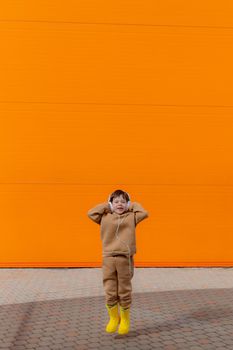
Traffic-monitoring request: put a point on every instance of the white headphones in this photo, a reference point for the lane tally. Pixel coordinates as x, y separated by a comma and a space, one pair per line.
110, 203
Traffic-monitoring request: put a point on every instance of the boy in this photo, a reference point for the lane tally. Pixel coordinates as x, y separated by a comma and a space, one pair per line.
117, 219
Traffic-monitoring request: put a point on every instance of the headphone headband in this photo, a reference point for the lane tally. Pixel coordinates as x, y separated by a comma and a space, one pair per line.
112, 193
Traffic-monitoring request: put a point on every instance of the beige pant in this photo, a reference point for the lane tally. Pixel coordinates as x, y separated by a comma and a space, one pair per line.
117, 279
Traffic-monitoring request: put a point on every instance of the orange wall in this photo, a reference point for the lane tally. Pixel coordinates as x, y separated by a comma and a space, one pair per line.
96, 96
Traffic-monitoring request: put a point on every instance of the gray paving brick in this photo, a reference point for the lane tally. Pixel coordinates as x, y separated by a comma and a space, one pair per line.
172, 309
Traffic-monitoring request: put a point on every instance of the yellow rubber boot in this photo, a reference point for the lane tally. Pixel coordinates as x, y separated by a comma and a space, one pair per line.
114, 318
125, 321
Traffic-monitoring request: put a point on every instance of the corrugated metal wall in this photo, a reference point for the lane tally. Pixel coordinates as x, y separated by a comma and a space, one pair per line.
97, 96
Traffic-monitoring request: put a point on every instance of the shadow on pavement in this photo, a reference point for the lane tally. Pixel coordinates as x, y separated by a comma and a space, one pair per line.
168, 320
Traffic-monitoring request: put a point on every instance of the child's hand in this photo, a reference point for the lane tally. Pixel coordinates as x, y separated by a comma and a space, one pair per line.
131, 207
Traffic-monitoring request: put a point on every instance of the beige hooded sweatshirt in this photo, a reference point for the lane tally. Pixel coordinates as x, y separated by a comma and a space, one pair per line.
118, 230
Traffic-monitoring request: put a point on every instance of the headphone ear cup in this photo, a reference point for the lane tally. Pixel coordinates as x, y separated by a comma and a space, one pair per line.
129, 199
110, 204
128, 204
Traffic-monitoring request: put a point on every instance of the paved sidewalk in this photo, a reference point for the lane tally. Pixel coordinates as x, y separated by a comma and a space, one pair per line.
64, 309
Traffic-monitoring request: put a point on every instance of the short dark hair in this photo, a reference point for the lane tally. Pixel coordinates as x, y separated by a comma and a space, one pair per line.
118, 193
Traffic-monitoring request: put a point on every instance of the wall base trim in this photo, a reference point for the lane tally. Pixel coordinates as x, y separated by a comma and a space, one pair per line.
56, 264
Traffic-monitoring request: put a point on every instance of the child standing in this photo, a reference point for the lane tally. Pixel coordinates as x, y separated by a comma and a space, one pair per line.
117, 219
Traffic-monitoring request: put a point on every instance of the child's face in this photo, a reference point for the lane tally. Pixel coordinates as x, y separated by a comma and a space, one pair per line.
119, 205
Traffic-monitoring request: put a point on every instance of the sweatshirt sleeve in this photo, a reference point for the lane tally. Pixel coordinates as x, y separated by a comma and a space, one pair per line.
97, 212
139, 212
